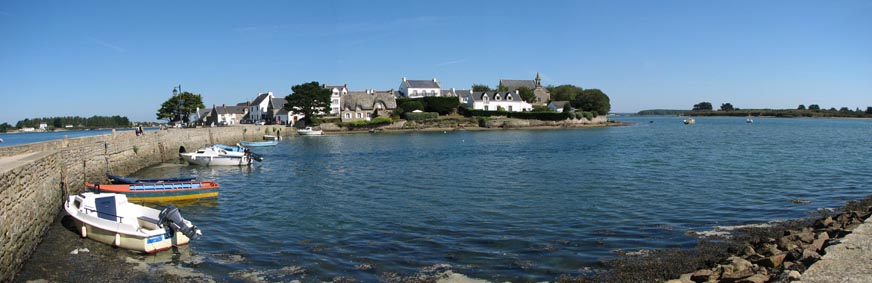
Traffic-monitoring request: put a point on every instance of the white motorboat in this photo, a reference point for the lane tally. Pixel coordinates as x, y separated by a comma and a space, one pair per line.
218, 155
309, 131
271, 138
108, 218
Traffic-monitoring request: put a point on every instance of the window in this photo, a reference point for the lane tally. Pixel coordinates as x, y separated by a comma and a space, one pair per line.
497, 97
509, 98
359, 115
347, 115
336, 101
485, 98
510, 107
485, 108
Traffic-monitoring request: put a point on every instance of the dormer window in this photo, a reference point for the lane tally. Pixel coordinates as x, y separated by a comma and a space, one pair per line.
485, 98
498, 97
509, 97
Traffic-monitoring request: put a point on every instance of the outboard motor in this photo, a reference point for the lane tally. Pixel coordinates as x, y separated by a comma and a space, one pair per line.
256, 157
172, 221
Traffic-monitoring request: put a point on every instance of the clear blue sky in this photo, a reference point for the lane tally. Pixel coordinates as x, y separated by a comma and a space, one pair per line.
83, 58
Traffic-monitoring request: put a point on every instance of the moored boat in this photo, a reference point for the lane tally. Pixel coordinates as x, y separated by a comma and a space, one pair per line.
159, 192
271, 137
130, 180
309, 131
689, 121
110, 219
219, 155
259, 143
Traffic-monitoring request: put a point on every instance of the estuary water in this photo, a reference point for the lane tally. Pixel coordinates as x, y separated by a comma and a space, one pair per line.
518, 205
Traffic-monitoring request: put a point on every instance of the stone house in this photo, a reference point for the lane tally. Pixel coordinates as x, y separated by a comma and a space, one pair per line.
420, 88
492, 101
365, 105
543, 96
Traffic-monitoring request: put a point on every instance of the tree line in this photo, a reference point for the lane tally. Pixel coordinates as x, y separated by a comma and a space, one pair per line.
92, 122
813, 110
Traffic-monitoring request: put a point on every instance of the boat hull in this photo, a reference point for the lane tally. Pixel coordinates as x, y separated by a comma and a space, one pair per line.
128, 228
257, 144
161, 192
216, 160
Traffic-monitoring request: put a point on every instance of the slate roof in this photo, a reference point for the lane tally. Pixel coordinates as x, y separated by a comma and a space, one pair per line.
339, 87
260, 98
559, 104
367, 101
278, 103
513, 85
243, 103
231, 109
422, 84
204, 112
456, 92
478, 95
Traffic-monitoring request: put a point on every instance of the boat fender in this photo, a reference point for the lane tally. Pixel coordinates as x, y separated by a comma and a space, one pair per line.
117, 240
84, 231
172, 220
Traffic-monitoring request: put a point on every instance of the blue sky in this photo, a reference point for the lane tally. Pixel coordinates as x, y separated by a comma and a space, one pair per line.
83, 58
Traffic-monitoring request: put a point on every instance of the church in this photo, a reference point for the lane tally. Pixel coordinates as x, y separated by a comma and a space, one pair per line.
542, 94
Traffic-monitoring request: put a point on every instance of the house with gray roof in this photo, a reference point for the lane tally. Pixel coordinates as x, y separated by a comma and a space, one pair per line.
257, 107
336, 98
455, 92
495, 101
420, 88
542, 94
365, 105
557, 106
227, 115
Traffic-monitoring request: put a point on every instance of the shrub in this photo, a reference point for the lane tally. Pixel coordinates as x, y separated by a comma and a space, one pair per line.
587, 115
544, 116
377, 121
441, 105
418, 116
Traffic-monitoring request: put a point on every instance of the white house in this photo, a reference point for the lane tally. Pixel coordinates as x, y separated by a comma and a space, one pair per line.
492, 101
420, 88
43, 126
228, 115
337, 91
257, 108
557, 106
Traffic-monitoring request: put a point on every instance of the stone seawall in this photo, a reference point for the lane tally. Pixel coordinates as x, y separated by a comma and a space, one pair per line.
33, 186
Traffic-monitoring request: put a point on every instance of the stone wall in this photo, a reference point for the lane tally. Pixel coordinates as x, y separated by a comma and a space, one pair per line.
33, 190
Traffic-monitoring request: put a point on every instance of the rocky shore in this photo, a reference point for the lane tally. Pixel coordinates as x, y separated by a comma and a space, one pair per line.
786, 257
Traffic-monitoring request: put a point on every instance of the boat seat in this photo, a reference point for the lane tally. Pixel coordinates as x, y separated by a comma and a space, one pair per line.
148, 222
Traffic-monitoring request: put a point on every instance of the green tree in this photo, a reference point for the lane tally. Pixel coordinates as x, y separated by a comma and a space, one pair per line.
567, 108
181, 105
801, 107
527, 94
405, 105
565, 93
727, 107
441, 105
5, 126
869, 110
814, 107
309, 99
541, 108
593, 100
702, 106
844, 110
481, 88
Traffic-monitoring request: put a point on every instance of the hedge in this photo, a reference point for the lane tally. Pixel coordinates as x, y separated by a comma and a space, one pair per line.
417, 116
545, 116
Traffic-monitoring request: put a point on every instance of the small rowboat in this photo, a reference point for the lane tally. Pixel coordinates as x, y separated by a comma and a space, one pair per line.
129, 180
110, 219
160, 192
259, 143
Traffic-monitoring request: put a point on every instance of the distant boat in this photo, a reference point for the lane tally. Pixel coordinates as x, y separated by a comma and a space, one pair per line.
159, 192
129, 180
271, 138
110, 219
689, 121
749, 120
259, 143
309, 131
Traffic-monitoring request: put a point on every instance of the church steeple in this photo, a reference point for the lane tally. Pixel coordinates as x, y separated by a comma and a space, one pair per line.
538, 80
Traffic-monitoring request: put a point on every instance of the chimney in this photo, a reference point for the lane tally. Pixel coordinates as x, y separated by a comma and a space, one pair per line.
404, 78
434, 80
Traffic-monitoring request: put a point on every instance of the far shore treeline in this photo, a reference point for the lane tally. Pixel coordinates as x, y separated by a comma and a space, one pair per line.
727, 109
76, 122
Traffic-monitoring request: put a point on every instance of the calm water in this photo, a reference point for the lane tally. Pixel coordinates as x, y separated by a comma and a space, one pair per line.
22, 138
515, 205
